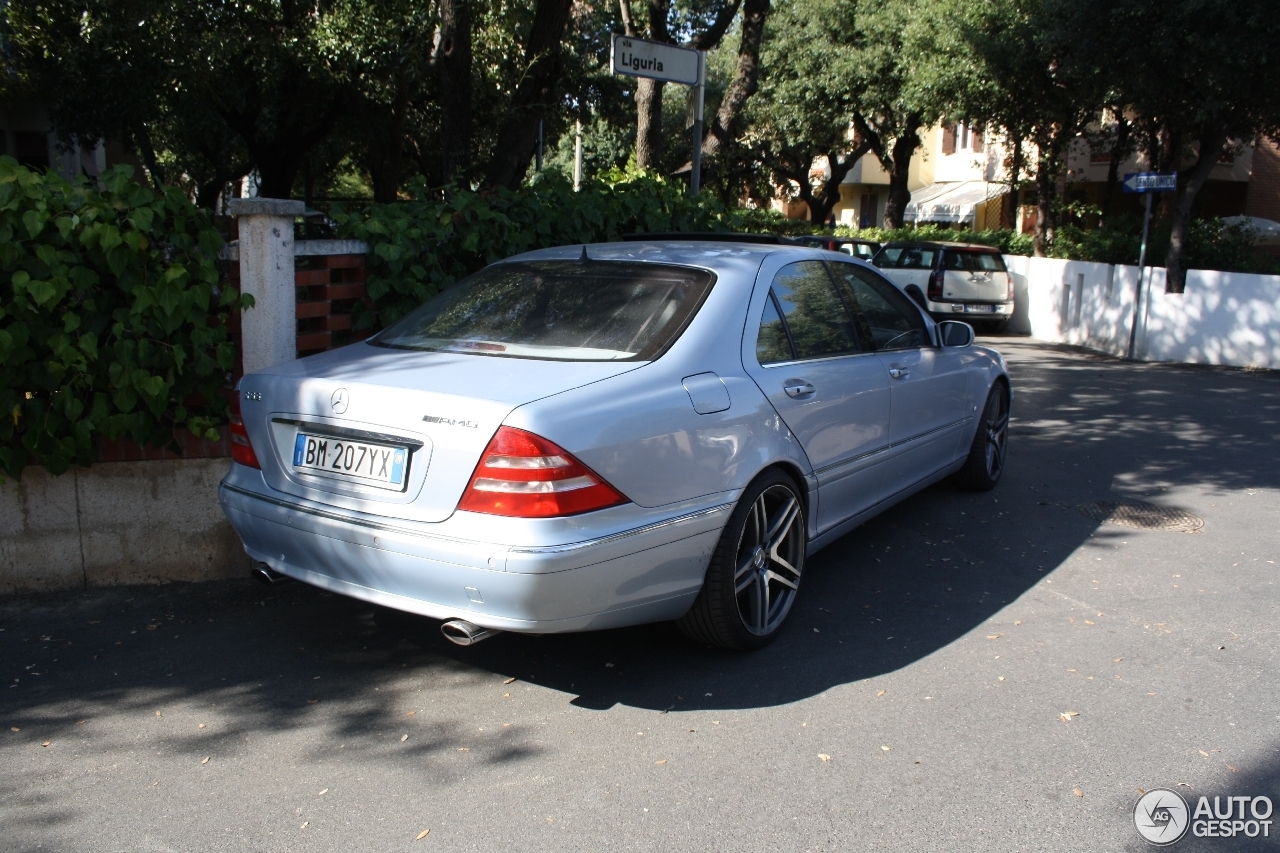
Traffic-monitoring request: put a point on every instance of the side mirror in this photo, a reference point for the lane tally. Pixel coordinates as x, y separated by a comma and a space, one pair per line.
953, 333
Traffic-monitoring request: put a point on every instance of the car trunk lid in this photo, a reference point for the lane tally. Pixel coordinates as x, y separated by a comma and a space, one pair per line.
439, 409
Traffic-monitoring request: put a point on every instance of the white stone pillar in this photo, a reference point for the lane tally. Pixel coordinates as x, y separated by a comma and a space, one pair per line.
270, 328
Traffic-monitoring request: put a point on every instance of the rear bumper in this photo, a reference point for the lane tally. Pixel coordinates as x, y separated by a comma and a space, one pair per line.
647, 574
966, 310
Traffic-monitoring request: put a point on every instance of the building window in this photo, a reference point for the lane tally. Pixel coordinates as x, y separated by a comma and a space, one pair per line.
867, 210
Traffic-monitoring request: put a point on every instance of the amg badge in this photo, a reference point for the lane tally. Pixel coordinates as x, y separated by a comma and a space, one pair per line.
433, 419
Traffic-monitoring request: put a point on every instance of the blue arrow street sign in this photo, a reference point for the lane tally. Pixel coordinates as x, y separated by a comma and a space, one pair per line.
1151, 182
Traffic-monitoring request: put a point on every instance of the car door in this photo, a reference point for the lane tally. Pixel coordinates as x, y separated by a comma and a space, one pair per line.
927, 383
832, 393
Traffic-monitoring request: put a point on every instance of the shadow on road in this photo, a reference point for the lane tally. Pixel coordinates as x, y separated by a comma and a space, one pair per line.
906, 584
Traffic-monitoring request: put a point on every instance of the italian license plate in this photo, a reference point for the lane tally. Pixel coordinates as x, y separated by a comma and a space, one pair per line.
979, 309
380, 465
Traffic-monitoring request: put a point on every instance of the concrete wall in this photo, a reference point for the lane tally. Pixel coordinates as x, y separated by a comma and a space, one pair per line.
116, 523
1222, 318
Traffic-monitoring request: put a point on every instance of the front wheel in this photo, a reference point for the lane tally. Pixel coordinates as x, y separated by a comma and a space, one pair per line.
754, 573
985, 464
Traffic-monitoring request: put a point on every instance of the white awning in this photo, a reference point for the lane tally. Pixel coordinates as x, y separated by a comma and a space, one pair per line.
950, 201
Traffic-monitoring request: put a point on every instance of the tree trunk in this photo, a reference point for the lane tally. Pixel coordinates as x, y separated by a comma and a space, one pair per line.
148, 153
453, 63
648, 96
1189, 185
1119, 151
1015, 179
1044, 206
899, 168
745, 83
518, 134
648, 123
827, 197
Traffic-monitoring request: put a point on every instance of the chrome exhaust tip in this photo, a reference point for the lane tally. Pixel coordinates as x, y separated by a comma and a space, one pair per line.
463, 633
267, 575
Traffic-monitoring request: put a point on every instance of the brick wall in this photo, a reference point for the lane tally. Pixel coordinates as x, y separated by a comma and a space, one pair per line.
329, 288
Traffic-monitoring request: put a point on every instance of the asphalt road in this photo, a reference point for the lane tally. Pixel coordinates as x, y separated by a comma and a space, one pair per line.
915, 702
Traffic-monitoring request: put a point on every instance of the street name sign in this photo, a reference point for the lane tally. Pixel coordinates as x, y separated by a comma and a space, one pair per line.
642, 58
1151, 182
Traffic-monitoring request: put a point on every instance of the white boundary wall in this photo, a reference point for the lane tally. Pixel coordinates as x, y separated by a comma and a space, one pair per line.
1222, 318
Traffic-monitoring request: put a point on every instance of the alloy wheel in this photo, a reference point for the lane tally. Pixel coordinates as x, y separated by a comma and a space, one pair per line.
770, 557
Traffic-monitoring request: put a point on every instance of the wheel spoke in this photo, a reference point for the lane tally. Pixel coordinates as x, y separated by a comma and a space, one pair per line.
761, 602
780, 579
782, 524
742, 576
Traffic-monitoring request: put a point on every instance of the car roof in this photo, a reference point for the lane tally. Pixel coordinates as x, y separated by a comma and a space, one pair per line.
712, 254
940, 244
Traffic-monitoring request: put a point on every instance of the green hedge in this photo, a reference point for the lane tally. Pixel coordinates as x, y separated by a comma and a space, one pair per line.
422, 246
112, 321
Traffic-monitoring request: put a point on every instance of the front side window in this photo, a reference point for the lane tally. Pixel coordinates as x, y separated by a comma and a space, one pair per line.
884, 313
561, 310
811, 311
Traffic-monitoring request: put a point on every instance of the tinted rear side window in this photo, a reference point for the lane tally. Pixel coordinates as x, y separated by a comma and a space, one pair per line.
814, 312
907, 258
562, 310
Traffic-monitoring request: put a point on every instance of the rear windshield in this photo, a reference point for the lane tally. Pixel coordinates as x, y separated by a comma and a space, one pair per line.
562, 310
905, 258
972, 261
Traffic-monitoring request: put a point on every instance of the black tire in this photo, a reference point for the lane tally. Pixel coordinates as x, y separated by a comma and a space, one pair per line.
748, 573
986, 460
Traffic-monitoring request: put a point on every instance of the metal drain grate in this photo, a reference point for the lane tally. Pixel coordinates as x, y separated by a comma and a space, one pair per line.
1142, 515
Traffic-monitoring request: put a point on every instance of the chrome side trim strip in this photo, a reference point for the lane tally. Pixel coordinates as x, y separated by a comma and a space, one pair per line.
560, 549
834, 465
920, 435
548, 549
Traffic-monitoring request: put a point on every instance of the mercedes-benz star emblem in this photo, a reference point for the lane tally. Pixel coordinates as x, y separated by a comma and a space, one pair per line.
339, 401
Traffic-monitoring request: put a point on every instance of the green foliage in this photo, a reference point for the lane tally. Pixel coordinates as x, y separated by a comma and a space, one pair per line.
111, 318
1008, 241
420, 247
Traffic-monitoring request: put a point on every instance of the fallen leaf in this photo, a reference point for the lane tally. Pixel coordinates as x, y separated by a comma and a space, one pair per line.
881, 693
1002, 678
506, 695
1067, 715
1087, 622
422, 835
509, 680
411, 713
1142, 790
1117, 660
1018, 622
305, 824
82, 722
157, 713
464, 749
1077, 792
1232, 769
14, 729
46, 743
1183, 785
994, 636
822, 756
661, 761
1071, 619
403, 738
201, 726
508, 725
323, 791
885, 748
206, 760
552, 820
312, 701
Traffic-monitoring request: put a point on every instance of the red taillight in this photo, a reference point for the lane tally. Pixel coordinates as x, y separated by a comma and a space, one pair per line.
241, 449
1009, 288
935, 286
526, 476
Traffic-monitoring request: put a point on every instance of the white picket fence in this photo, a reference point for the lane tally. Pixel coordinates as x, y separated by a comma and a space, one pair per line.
1222, 318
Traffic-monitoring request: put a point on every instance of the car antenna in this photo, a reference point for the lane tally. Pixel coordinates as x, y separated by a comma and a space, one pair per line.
582, 259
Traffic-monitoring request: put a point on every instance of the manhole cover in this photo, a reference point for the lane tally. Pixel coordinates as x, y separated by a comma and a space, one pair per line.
1142, 515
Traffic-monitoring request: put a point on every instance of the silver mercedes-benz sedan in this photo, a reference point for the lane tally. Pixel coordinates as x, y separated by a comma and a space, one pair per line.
591, 437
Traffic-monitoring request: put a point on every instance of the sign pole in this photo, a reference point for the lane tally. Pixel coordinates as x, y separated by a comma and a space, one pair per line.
695, 178
1142, 274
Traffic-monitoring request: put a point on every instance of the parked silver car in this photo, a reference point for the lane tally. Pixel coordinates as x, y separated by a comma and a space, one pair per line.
591, 437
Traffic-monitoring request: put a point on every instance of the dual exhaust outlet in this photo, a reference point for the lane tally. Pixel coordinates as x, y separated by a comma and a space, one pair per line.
460, 632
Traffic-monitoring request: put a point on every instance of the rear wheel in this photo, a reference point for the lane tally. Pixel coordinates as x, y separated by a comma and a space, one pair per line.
985, 464
754, 573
